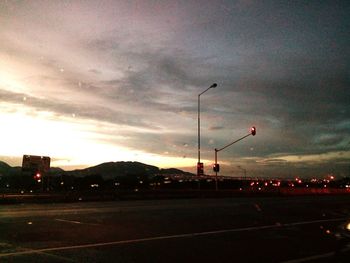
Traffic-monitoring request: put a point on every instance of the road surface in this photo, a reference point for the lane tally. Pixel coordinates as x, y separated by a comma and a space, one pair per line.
255, 229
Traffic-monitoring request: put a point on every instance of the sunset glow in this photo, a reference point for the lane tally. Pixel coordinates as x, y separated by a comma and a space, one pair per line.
91, 82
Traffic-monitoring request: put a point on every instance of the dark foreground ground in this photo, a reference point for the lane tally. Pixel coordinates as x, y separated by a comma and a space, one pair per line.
241, 229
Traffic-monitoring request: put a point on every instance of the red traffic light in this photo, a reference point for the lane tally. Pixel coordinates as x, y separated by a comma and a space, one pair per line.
37, 177
253, 130
200, 169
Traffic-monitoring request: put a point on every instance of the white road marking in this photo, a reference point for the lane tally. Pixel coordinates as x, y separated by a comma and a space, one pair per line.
31, 251
315, 221
315, 257
75, 222
61, 258
131, 241
68, 221
326, 255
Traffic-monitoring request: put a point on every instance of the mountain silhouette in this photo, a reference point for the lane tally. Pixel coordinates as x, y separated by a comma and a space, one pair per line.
4, 168
116, 169
106, 170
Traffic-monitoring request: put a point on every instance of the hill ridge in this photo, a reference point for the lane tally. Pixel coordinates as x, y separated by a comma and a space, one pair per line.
107, 170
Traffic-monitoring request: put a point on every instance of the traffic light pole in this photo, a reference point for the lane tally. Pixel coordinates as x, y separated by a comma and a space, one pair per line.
252, 132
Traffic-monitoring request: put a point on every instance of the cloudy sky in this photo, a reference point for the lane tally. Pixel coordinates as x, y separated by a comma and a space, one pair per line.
87, 82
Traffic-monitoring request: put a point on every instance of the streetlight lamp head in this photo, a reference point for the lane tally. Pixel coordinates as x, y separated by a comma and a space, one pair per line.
214, 85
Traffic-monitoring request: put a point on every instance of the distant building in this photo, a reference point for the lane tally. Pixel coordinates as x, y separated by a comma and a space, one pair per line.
36, 164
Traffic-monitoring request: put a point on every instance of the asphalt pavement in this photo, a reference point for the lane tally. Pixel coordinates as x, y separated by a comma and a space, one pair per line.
254, 229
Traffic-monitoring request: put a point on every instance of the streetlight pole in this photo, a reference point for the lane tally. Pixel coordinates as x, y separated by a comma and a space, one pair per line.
199, 164
252, 132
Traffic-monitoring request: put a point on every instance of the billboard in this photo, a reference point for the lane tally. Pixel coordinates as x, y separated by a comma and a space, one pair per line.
34, 163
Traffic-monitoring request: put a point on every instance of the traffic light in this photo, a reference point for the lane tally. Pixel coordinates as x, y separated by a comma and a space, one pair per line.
253, 130
37, 177
216, 167
200, 169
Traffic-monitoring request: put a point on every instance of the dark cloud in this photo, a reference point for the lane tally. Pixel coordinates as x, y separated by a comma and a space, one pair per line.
273, 162
213, 128
283, 67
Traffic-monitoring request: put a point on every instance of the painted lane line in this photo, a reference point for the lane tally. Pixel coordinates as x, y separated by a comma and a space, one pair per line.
31, 251
315, 257
61, 258
315, 221
132, 241
68, 221
75, 222
299, 260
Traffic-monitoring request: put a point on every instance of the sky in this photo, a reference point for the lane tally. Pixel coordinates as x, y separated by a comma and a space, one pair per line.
87, 82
